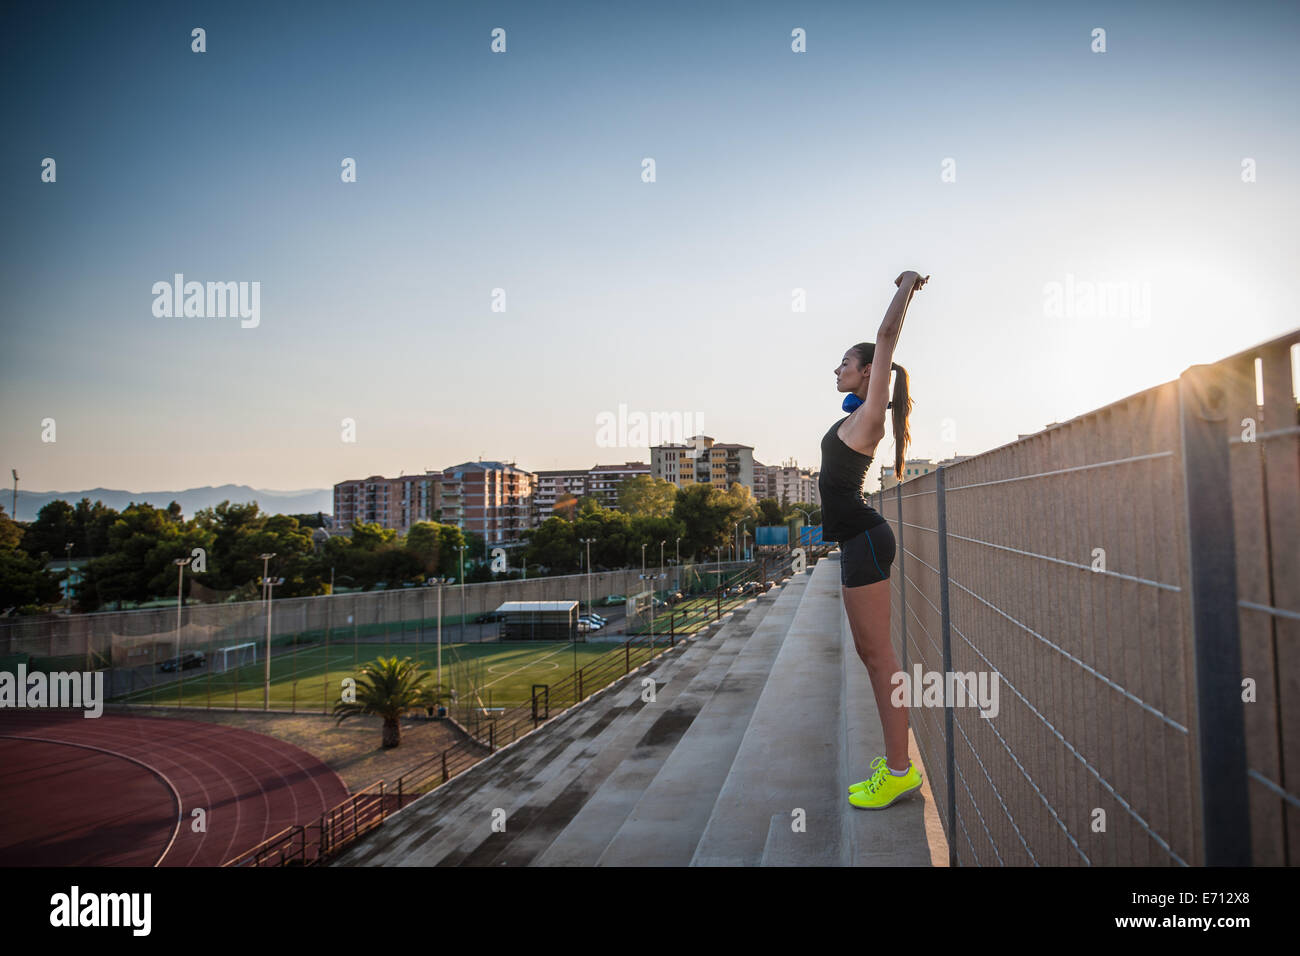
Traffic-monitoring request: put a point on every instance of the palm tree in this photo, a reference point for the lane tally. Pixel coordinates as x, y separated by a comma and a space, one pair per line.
389, 688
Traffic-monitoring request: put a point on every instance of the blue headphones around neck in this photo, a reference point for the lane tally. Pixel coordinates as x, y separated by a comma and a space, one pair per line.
851, 402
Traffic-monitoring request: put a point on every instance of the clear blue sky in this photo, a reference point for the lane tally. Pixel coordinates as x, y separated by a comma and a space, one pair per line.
522, 171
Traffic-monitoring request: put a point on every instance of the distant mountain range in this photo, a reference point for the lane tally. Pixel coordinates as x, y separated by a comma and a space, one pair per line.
306, 501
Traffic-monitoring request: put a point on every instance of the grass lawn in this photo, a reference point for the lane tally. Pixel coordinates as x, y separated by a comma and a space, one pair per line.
501, 674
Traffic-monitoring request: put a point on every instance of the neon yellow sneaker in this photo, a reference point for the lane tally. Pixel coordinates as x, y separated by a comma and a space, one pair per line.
862, 784
884, 788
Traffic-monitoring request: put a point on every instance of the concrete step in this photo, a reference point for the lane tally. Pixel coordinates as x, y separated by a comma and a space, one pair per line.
540, 806
665, 826
628, 768
791, 755
414, 831
543, 821
445, 826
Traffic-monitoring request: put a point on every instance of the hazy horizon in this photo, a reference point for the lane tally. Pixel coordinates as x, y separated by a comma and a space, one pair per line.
477, 171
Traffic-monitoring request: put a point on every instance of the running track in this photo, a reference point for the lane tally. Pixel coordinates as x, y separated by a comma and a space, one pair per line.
105, 791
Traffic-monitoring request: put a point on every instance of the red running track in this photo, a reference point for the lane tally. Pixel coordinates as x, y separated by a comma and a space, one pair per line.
120, 789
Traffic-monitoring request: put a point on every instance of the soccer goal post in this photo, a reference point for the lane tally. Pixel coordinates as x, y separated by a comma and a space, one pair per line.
237, 655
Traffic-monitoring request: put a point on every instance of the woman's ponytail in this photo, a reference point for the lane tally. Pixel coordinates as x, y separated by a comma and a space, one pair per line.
902, 409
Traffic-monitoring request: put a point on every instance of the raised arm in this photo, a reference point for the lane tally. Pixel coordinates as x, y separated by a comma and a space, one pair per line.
866, 426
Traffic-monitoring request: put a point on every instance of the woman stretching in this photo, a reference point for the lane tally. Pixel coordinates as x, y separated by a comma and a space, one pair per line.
866, 541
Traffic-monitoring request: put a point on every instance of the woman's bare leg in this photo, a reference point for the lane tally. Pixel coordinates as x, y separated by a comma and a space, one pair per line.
868, 610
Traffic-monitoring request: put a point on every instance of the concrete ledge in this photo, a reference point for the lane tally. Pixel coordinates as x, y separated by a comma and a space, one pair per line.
790, 756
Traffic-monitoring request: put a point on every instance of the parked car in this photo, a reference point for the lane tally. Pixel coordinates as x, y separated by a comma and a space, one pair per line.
615, 599
599, 619
769, 585
583, 627
752, 587
590, 622
184, 662
491, 617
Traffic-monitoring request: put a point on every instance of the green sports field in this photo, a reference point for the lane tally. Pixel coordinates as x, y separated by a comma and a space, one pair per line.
308, 680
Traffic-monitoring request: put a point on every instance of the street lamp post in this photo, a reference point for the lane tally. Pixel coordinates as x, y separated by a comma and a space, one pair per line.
588, 542
266, 664
461, 548
807, 515
67, 567
180, 601
265, 559
678, 546
651, 578
440, 581
266, 681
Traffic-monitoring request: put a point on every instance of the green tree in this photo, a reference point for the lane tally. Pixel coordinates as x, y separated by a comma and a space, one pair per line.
554, 544
396, 566
650, 531
770, 512
613, 532
709, 516
388, 688
449, 562
424, 541
93, 522
646, 497
25, 585
236, 535
142, 543
54, 527
435, 545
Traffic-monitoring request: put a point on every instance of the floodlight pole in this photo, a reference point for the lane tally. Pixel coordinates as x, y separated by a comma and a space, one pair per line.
266, 679
591, 608
440, 581
678, 585
180, 575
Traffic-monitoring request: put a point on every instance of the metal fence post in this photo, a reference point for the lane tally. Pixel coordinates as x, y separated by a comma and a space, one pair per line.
949, 756
1212, 566
902, 570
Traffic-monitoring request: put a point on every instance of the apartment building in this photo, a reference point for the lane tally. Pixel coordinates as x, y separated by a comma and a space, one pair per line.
912, 467
490, 498
787, 483
701, 460
603, 480
394, 503
553, 485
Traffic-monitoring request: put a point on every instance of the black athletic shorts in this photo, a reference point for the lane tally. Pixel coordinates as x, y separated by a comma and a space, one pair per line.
865, 558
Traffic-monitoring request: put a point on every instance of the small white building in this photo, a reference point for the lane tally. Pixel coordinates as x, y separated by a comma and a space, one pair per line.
538, 620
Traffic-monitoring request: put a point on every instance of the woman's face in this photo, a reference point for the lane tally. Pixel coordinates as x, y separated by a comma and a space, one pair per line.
848, 377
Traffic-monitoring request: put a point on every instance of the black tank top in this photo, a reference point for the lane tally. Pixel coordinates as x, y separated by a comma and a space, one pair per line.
845, 512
